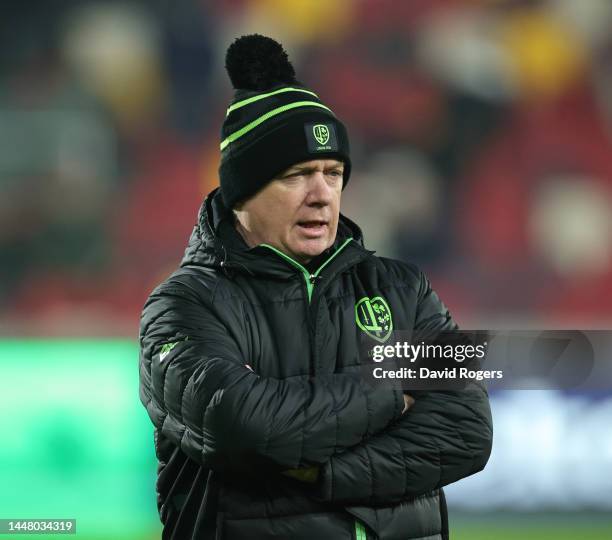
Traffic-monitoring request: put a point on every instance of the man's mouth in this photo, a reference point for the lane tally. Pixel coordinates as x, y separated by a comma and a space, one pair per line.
313, 228
312, 224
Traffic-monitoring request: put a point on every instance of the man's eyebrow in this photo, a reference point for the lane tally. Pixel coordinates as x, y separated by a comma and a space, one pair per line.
307, 169
296, 169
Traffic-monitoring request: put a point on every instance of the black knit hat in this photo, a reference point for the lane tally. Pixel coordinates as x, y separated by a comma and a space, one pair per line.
273, 122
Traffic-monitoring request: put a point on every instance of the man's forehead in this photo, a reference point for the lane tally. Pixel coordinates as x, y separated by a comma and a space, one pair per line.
317, 163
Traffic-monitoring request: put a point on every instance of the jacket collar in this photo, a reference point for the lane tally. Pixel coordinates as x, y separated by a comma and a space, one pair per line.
215, 243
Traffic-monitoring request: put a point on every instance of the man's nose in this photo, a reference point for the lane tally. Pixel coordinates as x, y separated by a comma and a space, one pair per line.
319, 191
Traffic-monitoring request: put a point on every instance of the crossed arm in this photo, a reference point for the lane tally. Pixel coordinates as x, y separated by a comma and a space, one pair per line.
202, 397
445, 436
221, 414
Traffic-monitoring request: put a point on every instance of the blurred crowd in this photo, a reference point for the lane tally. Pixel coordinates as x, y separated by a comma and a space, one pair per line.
481, 135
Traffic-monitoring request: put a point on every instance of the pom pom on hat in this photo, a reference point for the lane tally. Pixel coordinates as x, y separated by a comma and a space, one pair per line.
257, 62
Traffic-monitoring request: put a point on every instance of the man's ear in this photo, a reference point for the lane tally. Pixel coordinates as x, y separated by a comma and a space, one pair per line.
235, 213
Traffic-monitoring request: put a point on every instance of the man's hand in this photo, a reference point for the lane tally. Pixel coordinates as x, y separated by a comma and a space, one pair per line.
408, 402
308, 475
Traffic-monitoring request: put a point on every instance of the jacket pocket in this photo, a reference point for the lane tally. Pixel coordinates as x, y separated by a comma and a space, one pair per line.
421, 517
363, 516
360, 531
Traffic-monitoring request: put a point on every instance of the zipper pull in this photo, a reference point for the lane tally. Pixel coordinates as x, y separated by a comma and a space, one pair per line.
312, 278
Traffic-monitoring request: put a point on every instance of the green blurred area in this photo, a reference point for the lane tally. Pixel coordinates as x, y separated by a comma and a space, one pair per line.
513, 525
77, 443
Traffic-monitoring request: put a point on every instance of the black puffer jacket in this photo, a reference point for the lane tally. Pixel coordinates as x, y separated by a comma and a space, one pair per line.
224, 434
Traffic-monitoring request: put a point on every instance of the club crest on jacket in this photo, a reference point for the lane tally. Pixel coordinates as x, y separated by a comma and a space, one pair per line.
373, 316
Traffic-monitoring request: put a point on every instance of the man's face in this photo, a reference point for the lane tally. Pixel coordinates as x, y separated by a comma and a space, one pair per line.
297, 212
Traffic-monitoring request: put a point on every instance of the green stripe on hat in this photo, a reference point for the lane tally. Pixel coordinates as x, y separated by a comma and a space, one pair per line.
244, 102
274, 112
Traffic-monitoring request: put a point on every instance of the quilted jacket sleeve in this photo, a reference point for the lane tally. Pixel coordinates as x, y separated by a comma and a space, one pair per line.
198, 393
444, 437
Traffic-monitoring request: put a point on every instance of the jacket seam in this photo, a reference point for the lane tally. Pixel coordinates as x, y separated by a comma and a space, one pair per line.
332, 482
190, 381
182, 396
465, 444
403, 454
213, 293
267, 433
372, 475
152, 321
368, 416
303, 441
336, 434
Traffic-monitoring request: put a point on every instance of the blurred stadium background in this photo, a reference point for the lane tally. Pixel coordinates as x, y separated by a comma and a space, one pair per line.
481, 133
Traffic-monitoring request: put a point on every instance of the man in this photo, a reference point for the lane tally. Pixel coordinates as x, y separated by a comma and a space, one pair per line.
250, 368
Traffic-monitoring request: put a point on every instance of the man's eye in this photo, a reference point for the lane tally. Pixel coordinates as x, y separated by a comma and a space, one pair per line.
291, 178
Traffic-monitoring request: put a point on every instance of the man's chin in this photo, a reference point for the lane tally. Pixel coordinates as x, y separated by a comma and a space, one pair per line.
309, 249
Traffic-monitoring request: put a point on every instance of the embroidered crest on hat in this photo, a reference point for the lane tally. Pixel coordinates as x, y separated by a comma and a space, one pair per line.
321, 137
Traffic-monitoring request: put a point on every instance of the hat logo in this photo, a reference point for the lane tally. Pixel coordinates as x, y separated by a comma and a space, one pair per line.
321, 133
